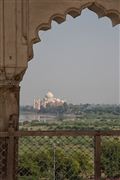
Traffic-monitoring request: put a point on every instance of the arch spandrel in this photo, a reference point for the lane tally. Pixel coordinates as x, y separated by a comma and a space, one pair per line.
42, 12
20, 21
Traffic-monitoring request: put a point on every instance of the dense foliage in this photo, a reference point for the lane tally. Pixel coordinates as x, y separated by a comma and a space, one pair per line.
76, 109
77, 117
110, 159
69, 160
73, 165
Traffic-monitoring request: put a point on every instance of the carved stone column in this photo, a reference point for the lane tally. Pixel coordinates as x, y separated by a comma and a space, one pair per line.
9, 105
9, 118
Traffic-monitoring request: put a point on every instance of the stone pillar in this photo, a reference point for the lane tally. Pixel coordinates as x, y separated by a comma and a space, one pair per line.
9, 105
9, 117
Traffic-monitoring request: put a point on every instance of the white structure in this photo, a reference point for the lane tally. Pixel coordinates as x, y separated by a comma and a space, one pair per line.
37, 104
49, 99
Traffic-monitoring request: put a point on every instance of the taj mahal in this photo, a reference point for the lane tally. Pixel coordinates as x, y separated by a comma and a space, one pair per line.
49, 99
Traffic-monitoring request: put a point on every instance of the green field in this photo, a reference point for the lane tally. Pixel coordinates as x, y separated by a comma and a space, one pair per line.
86, 122
70, 158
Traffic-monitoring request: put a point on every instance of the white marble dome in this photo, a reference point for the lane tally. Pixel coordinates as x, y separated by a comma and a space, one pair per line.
49, 95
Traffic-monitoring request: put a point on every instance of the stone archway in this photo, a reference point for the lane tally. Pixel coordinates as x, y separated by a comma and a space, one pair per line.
20, 21
58, 11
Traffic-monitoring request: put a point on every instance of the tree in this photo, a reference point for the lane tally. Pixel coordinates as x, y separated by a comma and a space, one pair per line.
110, 159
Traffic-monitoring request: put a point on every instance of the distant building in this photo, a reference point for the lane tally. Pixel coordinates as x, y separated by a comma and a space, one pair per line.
49, 99
37, 104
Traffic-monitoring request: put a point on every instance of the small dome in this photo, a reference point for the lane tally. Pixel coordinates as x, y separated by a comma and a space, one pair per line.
49, 95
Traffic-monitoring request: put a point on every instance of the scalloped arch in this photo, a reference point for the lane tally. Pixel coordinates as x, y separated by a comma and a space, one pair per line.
100, 10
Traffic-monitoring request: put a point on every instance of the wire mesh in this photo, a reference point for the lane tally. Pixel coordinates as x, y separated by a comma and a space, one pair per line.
3, 160
110, 158
56, 158
61, 156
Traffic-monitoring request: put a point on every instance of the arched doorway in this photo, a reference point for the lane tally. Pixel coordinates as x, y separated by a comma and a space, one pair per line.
86, 75
26, 18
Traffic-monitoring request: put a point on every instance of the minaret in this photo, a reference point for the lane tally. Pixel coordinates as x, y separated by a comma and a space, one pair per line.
37, 104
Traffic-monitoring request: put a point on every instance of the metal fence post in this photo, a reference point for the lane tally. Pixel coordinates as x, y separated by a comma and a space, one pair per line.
97, 157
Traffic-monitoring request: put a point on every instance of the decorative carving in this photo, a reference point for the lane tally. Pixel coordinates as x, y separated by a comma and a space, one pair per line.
9, 83
13, 121
113, 14
96, 7
9, 106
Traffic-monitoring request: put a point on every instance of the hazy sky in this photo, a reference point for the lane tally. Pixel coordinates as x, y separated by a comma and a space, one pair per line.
78, 61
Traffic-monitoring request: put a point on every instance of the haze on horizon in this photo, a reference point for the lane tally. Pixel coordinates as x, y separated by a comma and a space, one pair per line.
77, 61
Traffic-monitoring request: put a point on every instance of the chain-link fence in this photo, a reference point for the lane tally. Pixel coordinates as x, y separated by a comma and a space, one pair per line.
110, 158
60, 155
3, 158
56, 158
